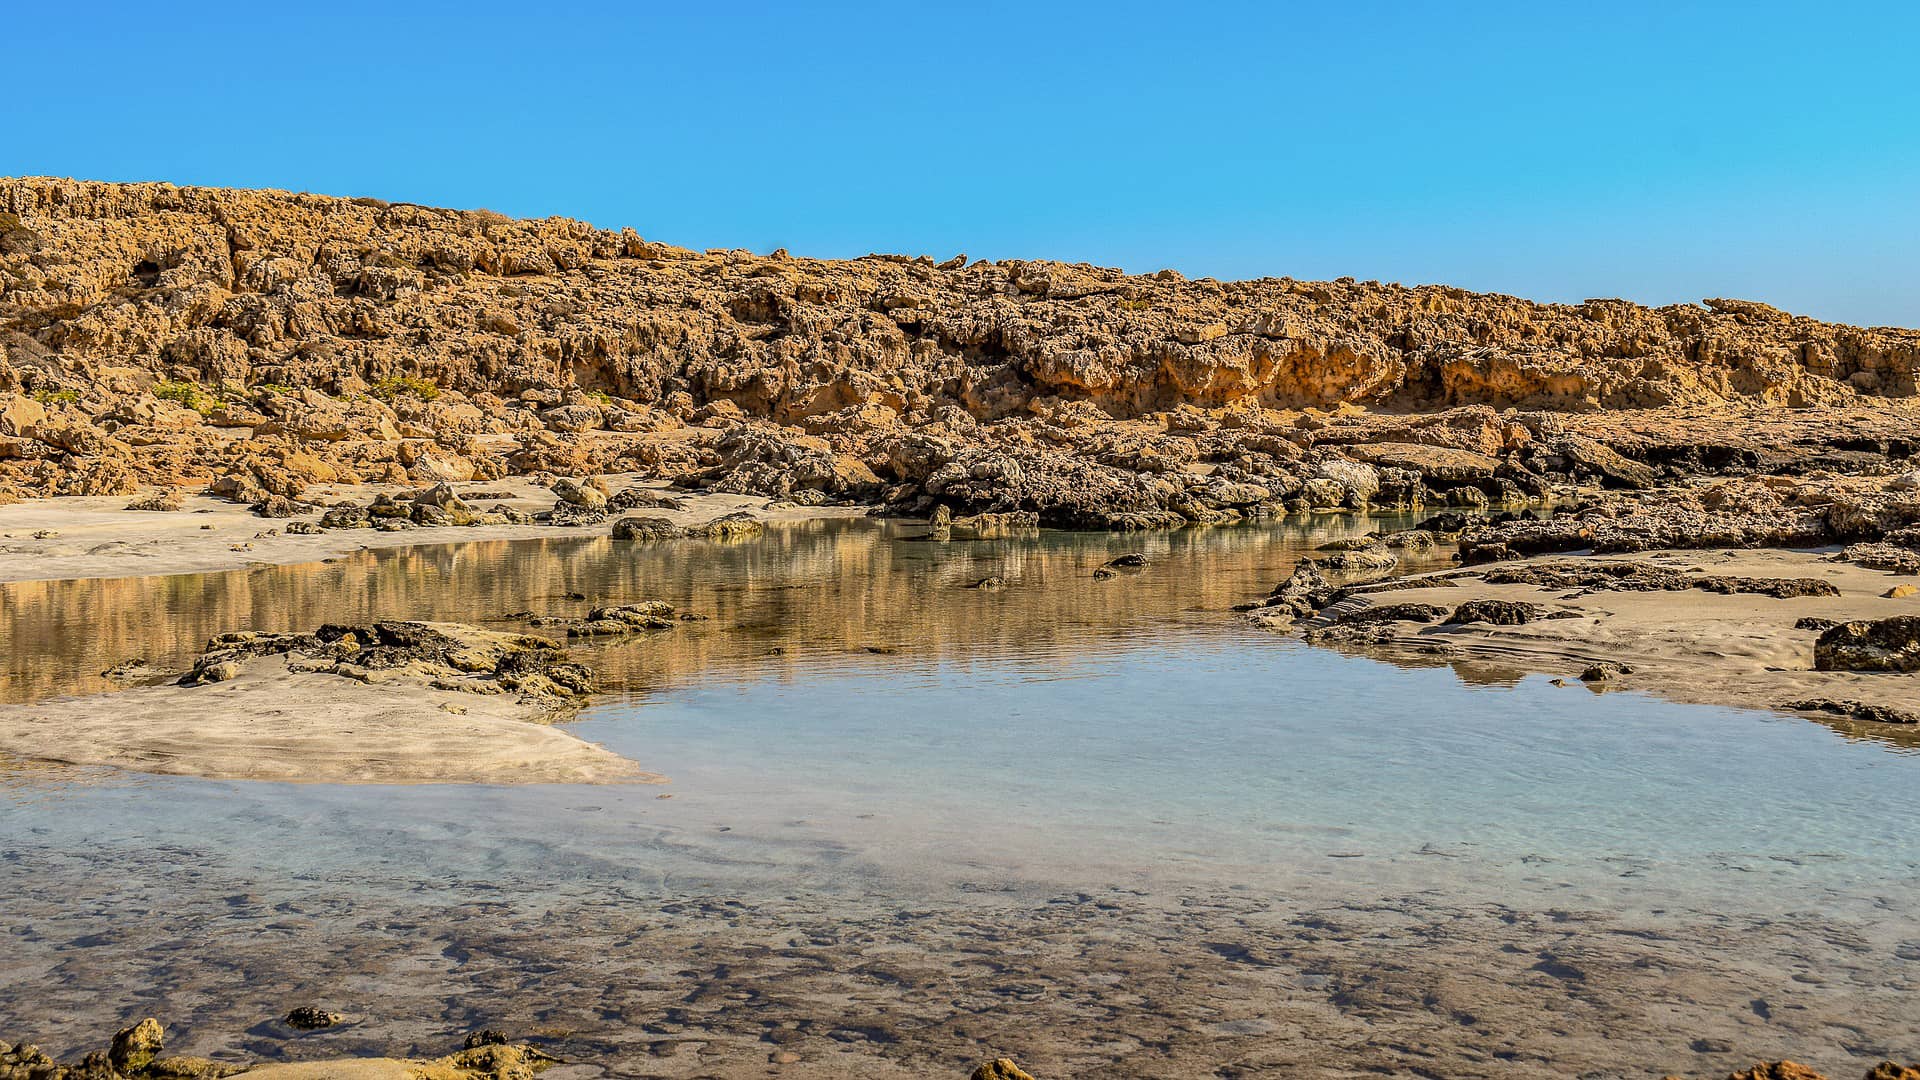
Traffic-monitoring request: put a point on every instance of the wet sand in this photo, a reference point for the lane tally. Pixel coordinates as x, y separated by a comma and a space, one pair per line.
1333, 981
271, 723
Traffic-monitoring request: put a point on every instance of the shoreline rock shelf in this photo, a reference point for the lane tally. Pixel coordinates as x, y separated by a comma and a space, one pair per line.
1818, 632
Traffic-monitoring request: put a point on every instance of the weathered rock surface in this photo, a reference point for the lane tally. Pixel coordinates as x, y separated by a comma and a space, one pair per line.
1869, 512
446, 656
261, 342
1870, 645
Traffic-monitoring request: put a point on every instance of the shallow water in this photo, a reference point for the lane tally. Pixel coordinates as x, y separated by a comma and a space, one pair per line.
868, 757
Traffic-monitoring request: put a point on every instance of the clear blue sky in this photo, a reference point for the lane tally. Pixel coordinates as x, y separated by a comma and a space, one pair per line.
1658, 151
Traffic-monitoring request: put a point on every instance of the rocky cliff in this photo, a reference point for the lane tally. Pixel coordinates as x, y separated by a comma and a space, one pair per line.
152, 333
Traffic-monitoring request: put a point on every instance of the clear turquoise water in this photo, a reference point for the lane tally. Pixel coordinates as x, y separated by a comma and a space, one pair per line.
894, 797
1061, 733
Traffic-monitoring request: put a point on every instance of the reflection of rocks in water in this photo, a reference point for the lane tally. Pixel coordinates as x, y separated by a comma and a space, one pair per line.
1327, 980
819, 587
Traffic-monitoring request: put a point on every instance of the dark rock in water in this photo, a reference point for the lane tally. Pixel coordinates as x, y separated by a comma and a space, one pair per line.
1857, 710
985, 526
1448, 522
1497, 612
1130, 560
989, 584
311, 1018
647, 528
617, 621
1102, 573
1876, 645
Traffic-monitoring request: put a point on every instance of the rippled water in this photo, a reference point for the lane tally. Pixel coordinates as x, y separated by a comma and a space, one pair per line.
853, 722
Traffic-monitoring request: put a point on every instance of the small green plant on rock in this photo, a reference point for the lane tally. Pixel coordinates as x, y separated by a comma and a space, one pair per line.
398, 386
188, 394
57, 397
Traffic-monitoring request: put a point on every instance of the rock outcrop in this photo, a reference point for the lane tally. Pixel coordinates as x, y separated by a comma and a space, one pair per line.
259, 342
445, 656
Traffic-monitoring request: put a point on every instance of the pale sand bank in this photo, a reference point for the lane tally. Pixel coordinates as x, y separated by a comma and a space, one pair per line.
97, 537
276, 724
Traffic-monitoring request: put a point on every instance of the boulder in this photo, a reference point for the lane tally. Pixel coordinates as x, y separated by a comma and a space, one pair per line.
579, 494
1870, 645
135, 1048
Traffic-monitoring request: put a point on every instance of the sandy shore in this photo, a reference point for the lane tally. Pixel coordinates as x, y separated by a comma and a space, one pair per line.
275, 724
1692, 645
96, 537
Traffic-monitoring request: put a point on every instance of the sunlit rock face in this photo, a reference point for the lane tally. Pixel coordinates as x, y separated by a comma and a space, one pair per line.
265, 340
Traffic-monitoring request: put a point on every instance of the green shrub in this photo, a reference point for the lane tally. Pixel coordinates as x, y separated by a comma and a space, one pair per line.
413, 386
57, 397
188, 394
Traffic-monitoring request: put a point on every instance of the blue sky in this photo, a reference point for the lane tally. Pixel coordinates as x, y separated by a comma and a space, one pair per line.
1663, 152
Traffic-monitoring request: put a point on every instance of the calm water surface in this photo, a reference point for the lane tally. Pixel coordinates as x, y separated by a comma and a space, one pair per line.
853, 721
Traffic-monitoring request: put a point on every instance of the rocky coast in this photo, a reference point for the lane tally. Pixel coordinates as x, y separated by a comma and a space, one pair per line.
1776, 592
1713, 503
259, 345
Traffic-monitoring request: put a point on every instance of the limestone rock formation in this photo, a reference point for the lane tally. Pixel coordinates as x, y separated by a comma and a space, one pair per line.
259, 342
